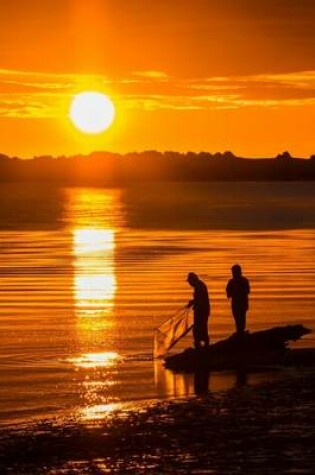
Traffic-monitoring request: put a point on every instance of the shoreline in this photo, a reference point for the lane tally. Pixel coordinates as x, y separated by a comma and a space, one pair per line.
251, 429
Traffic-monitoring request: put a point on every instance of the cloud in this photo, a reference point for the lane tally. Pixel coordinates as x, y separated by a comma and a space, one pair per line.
155, 75
42, 95
27, 94
266, 90
23, 109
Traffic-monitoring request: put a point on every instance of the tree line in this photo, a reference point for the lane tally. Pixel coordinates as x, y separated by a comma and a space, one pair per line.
106, 168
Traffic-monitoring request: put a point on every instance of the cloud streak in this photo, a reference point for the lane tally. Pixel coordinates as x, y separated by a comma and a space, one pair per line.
41, 95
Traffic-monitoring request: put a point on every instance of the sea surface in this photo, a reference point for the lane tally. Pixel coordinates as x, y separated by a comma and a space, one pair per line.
87, 274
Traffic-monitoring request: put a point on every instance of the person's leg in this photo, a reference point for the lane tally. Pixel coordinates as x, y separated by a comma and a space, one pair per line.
239, 315
206, 334
236, 318
242, 320
197, 344
197, 341
239, 321
203, 332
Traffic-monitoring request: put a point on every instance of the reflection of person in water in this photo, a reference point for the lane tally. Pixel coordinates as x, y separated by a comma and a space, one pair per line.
237, 290
241, 379
201, 306
201, 381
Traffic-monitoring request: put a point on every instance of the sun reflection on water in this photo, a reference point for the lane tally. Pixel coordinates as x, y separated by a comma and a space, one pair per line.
94, 280
99, 411
94, 289
95, 360
90, 240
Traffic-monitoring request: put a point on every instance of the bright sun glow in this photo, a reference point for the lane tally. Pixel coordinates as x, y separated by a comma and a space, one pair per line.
92, 112
91, 240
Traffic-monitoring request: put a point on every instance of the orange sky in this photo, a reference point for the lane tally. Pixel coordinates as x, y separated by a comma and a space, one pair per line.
196, 75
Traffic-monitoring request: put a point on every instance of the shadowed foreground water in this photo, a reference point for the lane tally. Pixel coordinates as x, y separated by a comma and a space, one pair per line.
258, 430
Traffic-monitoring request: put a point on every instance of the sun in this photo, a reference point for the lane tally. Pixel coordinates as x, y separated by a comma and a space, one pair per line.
92, 112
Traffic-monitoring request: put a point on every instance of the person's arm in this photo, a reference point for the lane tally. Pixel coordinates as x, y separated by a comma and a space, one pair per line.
190, 303
228, 290
248, 286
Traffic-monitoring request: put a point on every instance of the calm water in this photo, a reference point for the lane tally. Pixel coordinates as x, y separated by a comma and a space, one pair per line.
87, 274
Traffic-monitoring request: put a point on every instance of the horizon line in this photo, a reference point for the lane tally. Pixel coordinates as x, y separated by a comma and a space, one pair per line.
227, 153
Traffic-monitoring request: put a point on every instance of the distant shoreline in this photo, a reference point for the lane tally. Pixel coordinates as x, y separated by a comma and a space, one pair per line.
105, 168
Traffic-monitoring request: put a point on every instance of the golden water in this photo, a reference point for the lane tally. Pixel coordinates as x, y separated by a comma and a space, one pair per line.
87, 274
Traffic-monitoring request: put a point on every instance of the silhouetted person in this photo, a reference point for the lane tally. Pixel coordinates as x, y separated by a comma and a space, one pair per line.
201, 306
238, 290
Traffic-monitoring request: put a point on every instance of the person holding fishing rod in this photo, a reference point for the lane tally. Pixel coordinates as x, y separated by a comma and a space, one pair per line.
201, 306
